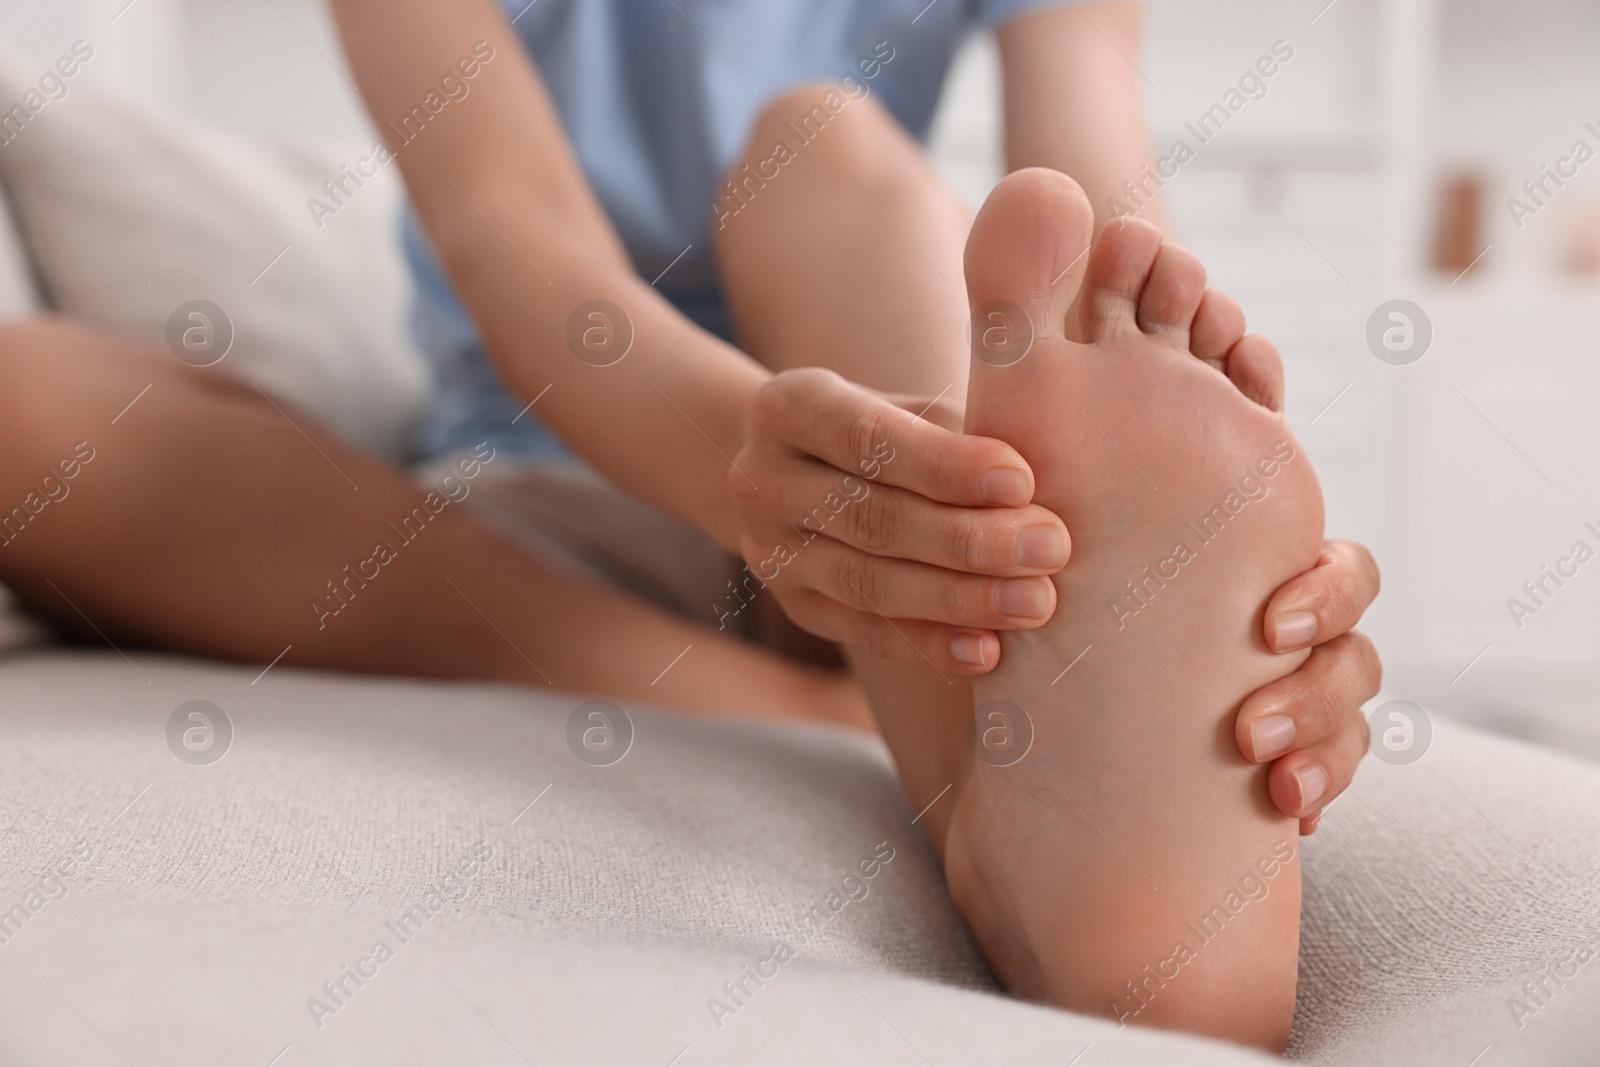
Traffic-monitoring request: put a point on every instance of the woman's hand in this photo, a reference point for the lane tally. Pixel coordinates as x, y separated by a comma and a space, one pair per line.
874, 521
1309, 725
885, 528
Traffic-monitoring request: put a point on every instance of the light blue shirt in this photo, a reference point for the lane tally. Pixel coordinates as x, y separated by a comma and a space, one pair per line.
658, 98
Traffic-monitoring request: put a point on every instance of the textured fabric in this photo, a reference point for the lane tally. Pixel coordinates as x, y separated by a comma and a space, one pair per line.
658, 98
235, 992
1433, 892
349, 795
181, 212
207, 905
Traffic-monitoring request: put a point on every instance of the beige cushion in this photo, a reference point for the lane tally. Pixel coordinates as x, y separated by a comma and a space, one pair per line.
236, 992
214, 907
128, 214
1434, 891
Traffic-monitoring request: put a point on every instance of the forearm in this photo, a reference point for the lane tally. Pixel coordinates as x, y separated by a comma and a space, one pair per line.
662, 421
1074, 103
527, 244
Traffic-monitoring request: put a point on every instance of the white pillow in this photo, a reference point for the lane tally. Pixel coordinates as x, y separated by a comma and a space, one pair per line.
129, 214
19, 297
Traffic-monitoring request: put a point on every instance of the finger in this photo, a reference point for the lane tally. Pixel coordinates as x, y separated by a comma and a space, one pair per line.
1303, 783
818, 503
1325, 601
820, 414
901, 589
1309, 824
1256, 370
1317, 702
949, 650
940, 410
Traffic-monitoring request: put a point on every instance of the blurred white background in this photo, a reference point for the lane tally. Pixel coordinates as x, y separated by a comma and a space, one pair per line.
1464, 472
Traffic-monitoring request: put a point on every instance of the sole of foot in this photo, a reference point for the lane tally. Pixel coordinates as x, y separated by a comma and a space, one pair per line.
1113, 851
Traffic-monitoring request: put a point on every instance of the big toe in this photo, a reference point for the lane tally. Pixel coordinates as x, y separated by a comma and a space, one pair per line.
1025, 261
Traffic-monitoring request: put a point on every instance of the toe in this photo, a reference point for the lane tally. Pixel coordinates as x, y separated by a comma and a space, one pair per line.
1217, 327
1119, 267
1172, 295
1256, 369
1026, 251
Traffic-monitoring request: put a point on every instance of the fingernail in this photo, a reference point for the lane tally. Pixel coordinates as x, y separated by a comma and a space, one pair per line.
1022, 598
1271, 736
1006, 487
1292, 630
1313, 782
970, 649
1042, 546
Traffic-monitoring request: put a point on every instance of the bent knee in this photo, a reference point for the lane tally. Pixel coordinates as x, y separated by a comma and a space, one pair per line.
37, 357
58, 375
50, 347
23, 340
825, 124
814, 151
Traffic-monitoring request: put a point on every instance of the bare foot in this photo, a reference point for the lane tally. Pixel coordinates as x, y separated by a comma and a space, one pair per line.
1113, 851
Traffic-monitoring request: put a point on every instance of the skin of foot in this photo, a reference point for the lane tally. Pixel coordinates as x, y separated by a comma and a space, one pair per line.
1111, 849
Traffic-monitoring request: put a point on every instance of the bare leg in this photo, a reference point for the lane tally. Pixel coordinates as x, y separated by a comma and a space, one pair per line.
889, 313
206, 522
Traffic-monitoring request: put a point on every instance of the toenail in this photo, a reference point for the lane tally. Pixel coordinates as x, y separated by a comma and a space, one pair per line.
969, 649
1006, 487
1271, 736
1043, 546
1293, 630
1023, 598
1313, 782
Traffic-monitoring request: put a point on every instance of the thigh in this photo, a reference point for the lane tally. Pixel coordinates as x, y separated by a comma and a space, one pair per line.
846, 255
